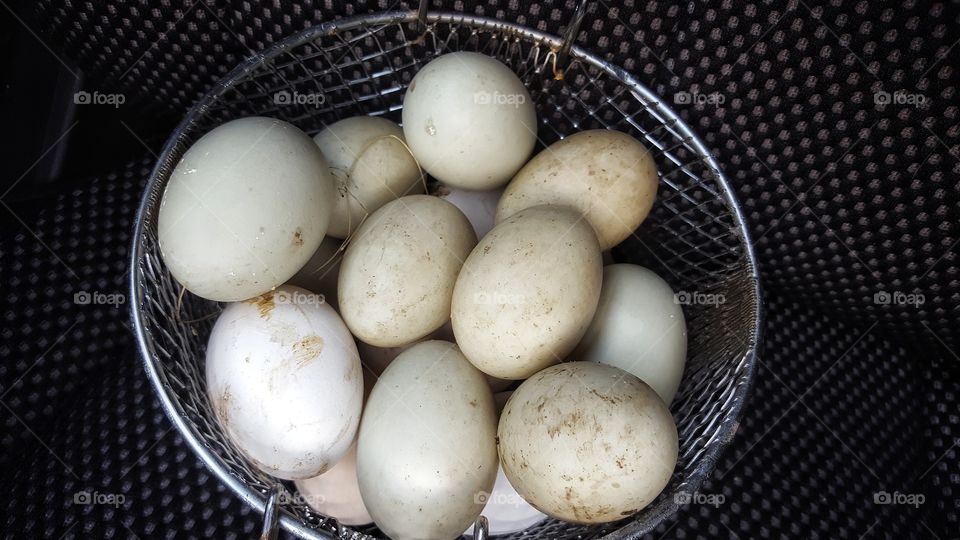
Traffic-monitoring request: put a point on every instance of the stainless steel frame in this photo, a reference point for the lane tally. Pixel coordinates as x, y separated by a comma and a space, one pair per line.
695, 237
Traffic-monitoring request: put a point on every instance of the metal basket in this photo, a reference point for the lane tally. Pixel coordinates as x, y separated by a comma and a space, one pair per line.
695, 236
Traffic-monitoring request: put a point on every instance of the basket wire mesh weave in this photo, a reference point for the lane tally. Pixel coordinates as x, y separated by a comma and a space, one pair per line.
695, 236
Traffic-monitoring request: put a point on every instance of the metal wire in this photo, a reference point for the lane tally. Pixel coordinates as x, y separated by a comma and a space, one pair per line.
695, 236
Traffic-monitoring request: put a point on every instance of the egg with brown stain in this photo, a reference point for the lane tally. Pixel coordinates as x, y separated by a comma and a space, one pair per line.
587, 443
285, 382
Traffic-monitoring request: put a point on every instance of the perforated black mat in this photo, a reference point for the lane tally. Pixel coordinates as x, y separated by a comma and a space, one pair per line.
853, 203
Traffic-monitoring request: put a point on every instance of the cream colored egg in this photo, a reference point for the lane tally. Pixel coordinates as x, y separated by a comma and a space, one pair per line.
371, 167
245, 208
639, 328
427, 449
469, 120
527, 292
285, 382
397, 275
608, 176
587, 443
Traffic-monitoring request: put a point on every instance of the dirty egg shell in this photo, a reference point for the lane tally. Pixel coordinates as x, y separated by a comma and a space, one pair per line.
527, 292
639, 327
608, 176
427, 448
245, 208
397, 275
469, 120
371, 166
285, 382
587, 443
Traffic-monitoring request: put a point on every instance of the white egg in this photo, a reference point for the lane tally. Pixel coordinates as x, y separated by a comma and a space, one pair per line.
480, 207
506, 511
469, 120
285, 382
245, 208
427, 446
320, 273
371, 166
639, 328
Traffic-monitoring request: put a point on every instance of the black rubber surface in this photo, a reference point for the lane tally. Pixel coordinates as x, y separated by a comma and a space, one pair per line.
854, 206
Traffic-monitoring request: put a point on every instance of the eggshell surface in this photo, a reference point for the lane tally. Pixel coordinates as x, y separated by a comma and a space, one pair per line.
285, 382
606, 175
427, 445
638, 327
370, 165
245, 208
469, 120
527, 292
587, 443
397, 275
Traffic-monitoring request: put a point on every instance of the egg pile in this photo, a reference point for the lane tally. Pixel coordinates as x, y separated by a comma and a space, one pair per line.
416, 359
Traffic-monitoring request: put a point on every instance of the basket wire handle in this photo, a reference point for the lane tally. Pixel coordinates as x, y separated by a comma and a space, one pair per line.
422, 16
271, 514
480, 528
570, 33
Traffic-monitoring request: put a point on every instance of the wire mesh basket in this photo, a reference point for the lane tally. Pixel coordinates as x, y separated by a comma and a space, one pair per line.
695, 236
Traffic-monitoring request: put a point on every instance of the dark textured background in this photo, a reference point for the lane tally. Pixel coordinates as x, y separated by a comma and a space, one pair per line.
845, 198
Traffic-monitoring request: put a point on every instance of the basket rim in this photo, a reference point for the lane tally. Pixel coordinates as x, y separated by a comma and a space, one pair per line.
652, 515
